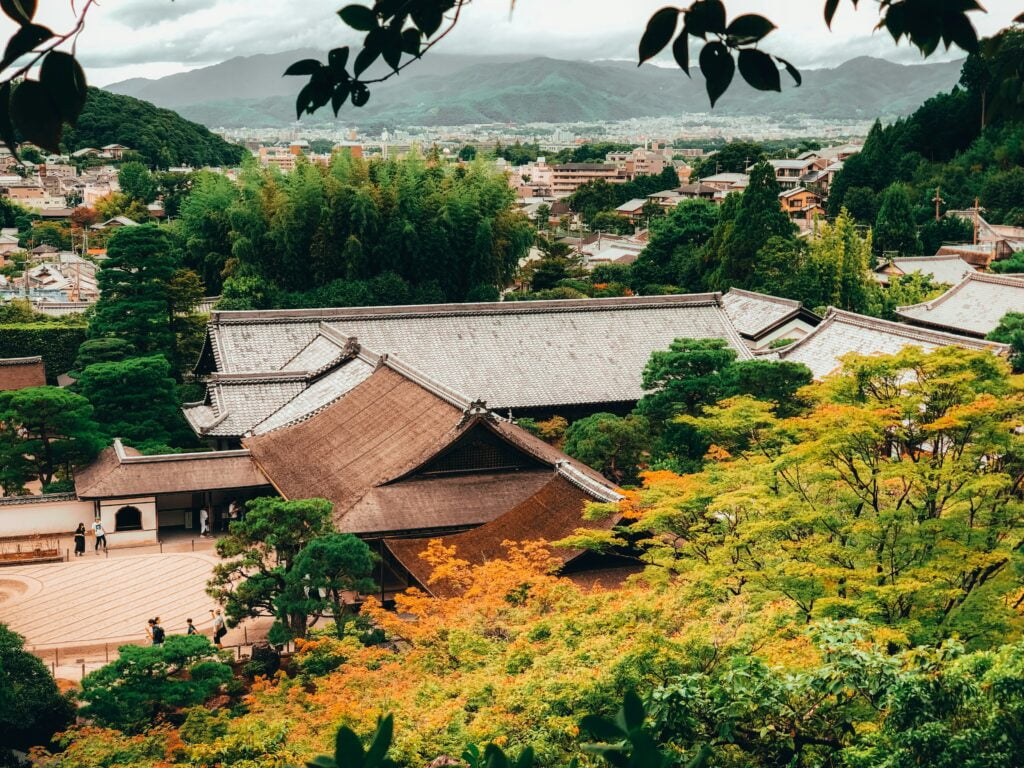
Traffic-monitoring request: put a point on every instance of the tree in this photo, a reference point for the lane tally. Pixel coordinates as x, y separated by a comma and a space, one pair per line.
949, 229
184, 292
136, 399
144, 682
609, 221
894, 227
776, 382
672, 255
734, 157
467, 153
51, 428
262, 555
137, 182
135, 291
758, 218
32, 709
611, 444
102, 350
1011, 331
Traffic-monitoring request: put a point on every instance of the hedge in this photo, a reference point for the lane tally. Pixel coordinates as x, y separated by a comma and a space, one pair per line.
57, 343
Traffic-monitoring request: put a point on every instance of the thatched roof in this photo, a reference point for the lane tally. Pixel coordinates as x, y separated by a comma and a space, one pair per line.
21, 372
121, 471
400, 452
552, 513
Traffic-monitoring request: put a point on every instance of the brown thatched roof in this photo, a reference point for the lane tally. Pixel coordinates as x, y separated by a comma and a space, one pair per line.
120, 472
21, 372
401, 453
554, 512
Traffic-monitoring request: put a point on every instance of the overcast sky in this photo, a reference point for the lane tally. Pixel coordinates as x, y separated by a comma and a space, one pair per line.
152, 38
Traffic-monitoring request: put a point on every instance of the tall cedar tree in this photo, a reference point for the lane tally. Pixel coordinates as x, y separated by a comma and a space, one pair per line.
759, 217
895, 231
134, 285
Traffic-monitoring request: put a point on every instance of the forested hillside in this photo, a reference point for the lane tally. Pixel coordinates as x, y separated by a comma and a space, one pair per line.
967, 143
162, 137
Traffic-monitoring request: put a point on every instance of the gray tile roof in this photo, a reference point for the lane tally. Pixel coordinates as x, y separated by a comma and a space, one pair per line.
754, 313
841, 333
947, 268
511, 354
973, 307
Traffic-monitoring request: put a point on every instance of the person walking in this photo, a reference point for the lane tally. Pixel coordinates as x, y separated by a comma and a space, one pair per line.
158, 632
190, 628
101, 536
149, 629
204, 522
80, 540
219, 627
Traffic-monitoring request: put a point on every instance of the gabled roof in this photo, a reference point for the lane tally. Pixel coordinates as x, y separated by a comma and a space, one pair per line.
511, 354
399, 428
841, 333
238, 404
553, 512
632, 206
757, 314
942, 268
121, 471
21, 373
973, 307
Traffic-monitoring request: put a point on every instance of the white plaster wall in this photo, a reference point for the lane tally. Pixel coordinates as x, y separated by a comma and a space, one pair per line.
44, 517
115, 538
795, 329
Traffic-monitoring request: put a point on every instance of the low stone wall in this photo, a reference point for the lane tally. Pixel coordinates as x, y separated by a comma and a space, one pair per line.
55, 513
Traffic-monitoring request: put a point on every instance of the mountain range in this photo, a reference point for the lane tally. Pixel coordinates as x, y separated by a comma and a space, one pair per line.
460, 90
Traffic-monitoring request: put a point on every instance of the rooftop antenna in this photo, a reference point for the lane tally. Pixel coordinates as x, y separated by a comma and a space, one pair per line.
938, 202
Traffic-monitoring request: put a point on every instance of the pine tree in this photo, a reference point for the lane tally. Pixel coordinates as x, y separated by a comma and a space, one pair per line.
894, 227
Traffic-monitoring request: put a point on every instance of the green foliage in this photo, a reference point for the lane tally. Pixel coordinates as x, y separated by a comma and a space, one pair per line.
134, 281
279, 557
161, 137
756, 219
31, 707
673, 255
894, 226
57, 343
467, 153
734, 157
949, 229
1010, 266
144, 682
774, 382
609, 221
136, 181
613, 445
50, 428
136, 399
1011, 331
104, 349
902, 291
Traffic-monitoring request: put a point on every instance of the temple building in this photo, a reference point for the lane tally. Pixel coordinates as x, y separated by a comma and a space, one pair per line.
972, 307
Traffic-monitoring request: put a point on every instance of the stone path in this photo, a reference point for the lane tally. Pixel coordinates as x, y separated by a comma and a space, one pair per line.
97, 600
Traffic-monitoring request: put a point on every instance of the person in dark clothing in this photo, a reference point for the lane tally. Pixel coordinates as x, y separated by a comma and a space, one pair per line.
80, 540
190, 628
158, 632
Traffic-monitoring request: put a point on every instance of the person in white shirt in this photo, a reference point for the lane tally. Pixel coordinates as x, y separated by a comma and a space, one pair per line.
204, 522
101, 536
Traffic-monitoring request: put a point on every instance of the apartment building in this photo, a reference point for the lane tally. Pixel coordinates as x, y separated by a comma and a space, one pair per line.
569, 177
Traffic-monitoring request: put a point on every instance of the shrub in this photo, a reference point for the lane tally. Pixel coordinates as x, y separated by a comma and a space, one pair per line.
57, 344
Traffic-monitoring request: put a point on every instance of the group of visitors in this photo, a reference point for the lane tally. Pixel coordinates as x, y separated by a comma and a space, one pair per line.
98, 532
156, 633
234, 513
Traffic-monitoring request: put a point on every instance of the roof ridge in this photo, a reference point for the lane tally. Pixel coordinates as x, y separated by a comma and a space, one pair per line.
910, 331
336, 314
975, 276
21, 360
602, 491
765, 297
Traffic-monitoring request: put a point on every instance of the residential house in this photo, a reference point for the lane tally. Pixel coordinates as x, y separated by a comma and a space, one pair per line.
973, 307
763, 320
696, 191
633, 209
115, 223
726, 182
992, 242
841, 333
87, 152
801, 206
8, 243
114, 151
948, 269
789, 171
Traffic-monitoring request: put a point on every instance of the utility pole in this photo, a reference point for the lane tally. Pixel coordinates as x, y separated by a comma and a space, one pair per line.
976, 212
938, 201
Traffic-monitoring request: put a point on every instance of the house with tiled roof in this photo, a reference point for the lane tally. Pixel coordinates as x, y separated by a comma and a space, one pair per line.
973, 307
529, 358
763, 319
949, 269
841, 333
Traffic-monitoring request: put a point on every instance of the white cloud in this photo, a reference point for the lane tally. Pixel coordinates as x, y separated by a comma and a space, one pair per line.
126, 38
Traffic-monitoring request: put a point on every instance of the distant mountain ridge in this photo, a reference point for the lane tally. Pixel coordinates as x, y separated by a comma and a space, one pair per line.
459, 90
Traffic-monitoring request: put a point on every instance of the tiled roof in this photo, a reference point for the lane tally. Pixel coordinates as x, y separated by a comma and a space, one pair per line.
122, 472
841, 333
370, 454
511, 354
553, 512
756, 313
21, 372
973, 307
946, 268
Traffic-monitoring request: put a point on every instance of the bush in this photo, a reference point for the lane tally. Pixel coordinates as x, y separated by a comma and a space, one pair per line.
265, 661
57, 344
